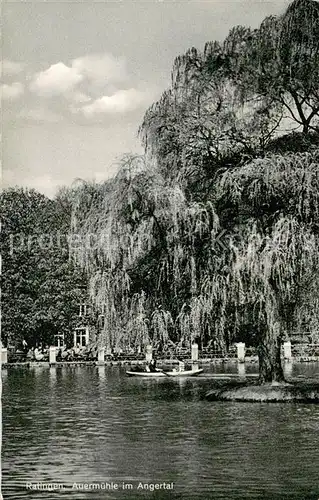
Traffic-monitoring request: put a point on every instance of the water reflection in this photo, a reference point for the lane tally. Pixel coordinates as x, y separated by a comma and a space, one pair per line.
241, 368
53, 376
93, 424
101, 373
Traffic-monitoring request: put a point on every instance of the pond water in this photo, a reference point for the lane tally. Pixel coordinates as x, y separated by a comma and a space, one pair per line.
80, 425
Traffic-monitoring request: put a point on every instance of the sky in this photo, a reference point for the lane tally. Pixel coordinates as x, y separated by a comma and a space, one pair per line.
78, 76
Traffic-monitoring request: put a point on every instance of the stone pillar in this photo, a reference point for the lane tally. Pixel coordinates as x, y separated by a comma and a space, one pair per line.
148, 353
195, 356
241, 352
52, 355
288, 369
287, 351
195, 353
4, 355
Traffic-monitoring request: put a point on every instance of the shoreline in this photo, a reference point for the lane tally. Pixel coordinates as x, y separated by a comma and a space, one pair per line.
124, 362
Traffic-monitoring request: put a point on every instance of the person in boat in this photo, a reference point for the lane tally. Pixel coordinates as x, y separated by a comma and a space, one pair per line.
152, 365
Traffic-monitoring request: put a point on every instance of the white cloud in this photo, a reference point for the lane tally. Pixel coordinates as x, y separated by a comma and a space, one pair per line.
56, 80
101, 69
12, 91
78, 97
89, 87
94, 71
120, 102
9, 68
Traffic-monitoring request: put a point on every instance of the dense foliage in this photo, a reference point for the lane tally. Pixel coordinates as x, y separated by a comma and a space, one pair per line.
41, 289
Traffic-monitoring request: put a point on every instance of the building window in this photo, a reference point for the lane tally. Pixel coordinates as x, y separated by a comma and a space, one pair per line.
81, 336
59, 340
101, 320
83, 310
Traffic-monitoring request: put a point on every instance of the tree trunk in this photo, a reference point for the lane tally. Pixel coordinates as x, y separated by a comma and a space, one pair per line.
269, 353
305, 127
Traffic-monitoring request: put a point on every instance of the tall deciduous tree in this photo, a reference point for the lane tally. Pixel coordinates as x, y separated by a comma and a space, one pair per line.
274, 253
41, 287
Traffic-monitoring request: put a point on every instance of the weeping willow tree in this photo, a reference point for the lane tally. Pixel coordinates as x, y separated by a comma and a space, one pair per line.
274, 264
199, 125
149, 238
140, 246
227, 102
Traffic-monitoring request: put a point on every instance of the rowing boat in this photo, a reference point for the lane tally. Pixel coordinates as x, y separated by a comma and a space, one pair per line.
160, 373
